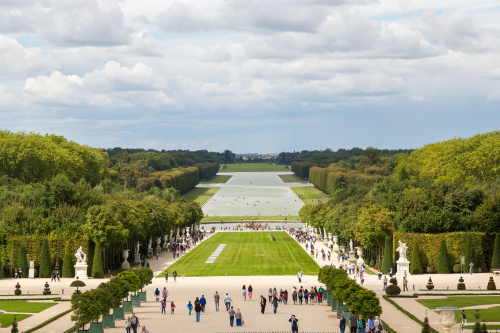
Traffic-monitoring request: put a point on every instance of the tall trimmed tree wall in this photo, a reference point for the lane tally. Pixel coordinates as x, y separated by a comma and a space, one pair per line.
68, 269
469, 255
495, 262
45, 264
22, 260
416, 262
387, 260
443, 261
97, 267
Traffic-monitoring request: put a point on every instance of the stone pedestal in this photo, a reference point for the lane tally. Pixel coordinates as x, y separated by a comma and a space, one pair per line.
158, 241
81, 271
352, 256
31, 273
403, 265
125, 264
360, 261
137, 257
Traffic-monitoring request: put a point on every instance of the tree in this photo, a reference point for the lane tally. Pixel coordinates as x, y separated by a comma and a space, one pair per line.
387, 259
90, 305
416, 262
68, 268
374, 224
426, 328
365, 302
45, 262
145, 275
14, 328
97, 267
131, 278
469, 252
443, 261
22, 261
495, 262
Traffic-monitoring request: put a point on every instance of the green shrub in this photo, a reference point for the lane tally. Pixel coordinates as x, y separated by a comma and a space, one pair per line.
45, 264
461, 284
372, 263
18, 289
456, 268
22, 260
429, 284
393, 290
14, 328
416, 262
495, 261
387, 259
393, 281
443, 261
491, 284
68, 268
97, 267
426, 328
431, 269
46, 289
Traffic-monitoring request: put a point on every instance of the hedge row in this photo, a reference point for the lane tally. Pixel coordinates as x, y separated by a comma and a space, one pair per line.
207, 170
331, 180
344, 289
182, 179
455, 245
407, 313
301, 169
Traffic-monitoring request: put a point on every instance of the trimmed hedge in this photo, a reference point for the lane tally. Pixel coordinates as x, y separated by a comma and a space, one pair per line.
387, 298
45, 262
301, 169
393, 290
68, 269
330, 180
495, 261
387, 259
97, 267
416, 262
22, 261
443, 260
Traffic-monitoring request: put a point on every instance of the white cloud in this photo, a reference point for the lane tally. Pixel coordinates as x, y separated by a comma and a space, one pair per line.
17, 61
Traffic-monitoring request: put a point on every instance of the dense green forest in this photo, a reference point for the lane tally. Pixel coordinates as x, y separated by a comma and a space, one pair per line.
445, 187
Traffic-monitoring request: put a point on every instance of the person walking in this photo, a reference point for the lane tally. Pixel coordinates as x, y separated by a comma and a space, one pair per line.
353, 322
227, 301
128, 325
231, 316
270, 295
378, 325
285, 297
134, 321
405, 283
172, 308
385, 283
190, 307
216, 300
197, 309
203, 302
301, 295
342, 323
157, 294
250, 292
299, 276
163, 306
275, 304
471, 266
175, 276
244, 292
361, 324
464, 319
238, 317
165, 293
262, 304
371, 324
166, 276
144, 330
294, 322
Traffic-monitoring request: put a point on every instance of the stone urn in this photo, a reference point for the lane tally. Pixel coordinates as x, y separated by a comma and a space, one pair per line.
447, 317
335, 243
359, 251
125, 264
158, 242
187, 230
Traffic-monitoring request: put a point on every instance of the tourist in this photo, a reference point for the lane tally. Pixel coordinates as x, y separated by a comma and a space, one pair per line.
342, 323
301, 295
239, 317
405, 283
379, 274
166, 276
227, 301
163, 306
203, 302
390, 272
371, 324
299, 276
262, 304
244, 292
157, 294
294, 323
270, 295
464, 319
385, 283
20, 272
128, 325
197, 309
250, 292
172, 307
165, 293
285, 297
306, 296
294, 296
471, 266
175, 276
275, 304
58, 275
353, 322
362, 280
361, 324
231, 316
216, 300
15, 273
190, 307
144, 330
378, 325
134, 321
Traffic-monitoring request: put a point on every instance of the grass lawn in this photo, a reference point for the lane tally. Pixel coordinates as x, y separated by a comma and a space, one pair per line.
24, 306
217, 179
292, 179
200, 194
460, 301
254, 167
310, 194
246, 253
489, 327
249, 218
491, 314
6, 319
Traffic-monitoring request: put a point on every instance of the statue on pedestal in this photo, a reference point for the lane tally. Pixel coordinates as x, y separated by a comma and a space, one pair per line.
351, 245
402, 251
81, 264
81, 257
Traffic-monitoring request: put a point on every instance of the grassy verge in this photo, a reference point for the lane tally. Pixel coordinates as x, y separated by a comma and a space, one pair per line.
6, 319
24, 306
246, 253
48, 321
200, 194
460, 301
310, 194
387, 327
407, 313
487, 315
254, 167
217, 179
292, 179
489, 327
249, 218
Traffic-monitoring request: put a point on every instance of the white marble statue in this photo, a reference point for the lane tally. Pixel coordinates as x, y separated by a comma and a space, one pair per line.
137, 247
352, 246
402, 250
81, 257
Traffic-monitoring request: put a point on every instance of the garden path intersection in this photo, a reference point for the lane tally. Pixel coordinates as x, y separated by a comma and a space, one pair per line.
312, 317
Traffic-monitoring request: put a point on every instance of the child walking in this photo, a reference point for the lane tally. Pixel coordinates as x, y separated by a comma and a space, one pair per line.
190, 307
172, 308
163, 306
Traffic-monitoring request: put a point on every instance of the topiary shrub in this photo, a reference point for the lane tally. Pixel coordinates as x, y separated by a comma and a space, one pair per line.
387, 259
14, 328
456, 268
97, 267
18, 289
393, 281
45, 264
393, 290
491, 284
431, 269
461, 284
77, 283
46, 289
22, 260
429, 284
416, 262
495, 261
68, 269
443, 261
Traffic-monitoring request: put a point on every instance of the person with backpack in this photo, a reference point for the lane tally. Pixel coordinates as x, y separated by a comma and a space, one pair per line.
231, 316
378, 325
197, 309
157, 294
134, 322
361, 324
301, 295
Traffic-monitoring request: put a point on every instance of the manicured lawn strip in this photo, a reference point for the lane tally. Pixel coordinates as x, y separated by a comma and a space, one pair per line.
387, 327
310, 194
388, 299
291, 179
217, 179
48, 321
490, 314
489, 327
200, 194
6, 319
249, 218
247, 253
254, 167
460, 301
24, 306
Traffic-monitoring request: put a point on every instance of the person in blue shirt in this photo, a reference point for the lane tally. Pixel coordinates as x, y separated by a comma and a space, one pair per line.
203, 302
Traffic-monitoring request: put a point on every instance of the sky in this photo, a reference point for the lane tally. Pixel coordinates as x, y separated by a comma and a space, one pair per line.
261, 76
